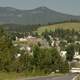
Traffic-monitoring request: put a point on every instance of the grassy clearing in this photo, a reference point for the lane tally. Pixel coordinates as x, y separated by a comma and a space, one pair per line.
35, 73
10, 76
17, 76
72, 25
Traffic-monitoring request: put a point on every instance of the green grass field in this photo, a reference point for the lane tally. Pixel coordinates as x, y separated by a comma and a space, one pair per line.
67, 25
11, 75
17, 76
23, 75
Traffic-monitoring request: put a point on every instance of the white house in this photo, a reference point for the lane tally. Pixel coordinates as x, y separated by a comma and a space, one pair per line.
52, 44
77, 42
75, 70
18, 55
63, 54
28, 48
76, 56
22, 39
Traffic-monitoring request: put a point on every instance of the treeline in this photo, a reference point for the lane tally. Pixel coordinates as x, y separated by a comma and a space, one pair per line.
66, 21
30, 28
40, 59
20, 28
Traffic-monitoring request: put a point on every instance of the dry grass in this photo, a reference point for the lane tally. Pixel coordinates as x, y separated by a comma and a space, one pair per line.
67, 25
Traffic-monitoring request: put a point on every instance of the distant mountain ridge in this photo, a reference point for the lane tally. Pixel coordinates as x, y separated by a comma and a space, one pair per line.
40, 15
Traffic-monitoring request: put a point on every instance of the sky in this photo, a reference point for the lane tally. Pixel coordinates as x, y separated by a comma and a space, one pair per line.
64, 6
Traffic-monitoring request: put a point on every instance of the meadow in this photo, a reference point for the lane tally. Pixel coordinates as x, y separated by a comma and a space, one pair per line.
67, 25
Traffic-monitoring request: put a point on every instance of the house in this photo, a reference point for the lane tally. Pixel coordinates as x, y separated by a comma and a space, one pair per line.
18, 55
77, 42
75, 70
22, 39
76, 56
63, 54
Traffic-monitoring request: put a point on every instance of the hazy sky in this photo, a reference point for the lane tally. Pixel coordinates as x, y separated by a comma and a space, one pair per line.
65, 6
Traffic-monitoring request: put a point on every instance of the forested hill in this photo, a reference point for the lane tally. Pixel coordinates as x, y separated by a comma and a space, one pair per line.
40, 15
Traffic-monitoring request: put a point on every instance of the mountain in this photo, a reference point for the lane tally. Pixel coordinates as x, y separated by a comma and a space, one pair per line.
40, 15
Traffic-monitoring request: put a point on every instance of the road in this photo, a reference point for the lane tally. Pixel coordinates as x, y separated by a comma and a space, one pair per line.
66, 77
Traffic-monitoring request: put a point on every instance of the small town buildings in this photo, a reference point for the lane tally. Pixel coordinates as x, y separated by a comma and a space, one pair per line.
76, 56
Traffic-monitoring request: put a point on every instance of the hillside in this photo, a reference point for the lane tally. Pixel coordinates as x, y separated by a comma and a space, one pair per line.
66, 25
40, 15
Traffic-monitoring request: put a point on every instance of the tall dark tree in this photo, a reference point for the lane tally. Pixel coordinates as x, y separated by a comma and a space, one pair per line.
7, 51
70, 52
